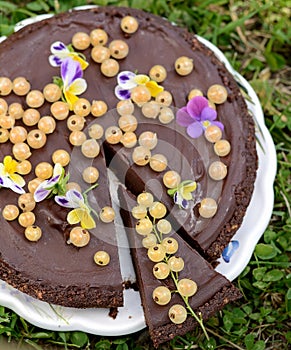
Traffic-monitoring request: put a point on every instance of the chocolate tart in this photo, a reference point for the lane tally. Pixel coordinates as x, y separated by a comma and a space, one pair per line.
53, 271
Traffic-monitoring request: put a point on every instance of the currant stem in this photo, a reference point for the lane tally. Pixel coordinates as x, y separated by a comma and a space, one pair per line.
90, 188
189, 308
86, 199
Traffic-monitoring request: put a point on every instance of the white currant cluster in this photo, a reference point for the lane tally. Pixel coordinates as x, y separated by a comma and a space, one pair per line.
161, 250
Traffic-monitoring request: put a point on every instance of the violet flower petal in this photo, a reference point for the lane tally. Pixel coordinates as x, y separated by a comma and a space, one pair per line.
41, 193
55, 61
1, 181
122, 94
15, 188
195, 130
75, 197
48, 184
125, 80
185, 204
63, 201
208, 113
219, 124
58, 46
183, 118
179, 200
70, 71
195, 106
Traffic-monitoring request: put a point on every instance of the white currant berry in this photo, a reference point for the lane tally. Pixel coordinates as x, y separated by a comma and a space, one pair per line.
118, 49
129, 139
144, 226
139, 212
158, 162
90, 148
100, 53
82, 107
125, 107
171, 179
217, 170
141, 155
177, 314
98, 37
98, 108
149, 241
148, 139
21, 86
162, 295
35, 99
150, 109
81, 41
213, 133
10, 212
109, 67
184, 65
129, 24
170, 244
33, 233
161, 270
217, 94
187, 287
107, 214
79, 237
102, 258
207, 208
156, 253
145, 199
221, 148
5, 86
176, 263
164, 226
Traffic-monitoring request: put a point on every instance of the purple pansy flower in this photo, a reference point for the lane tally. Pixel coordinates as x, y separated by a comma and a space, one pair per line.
128, 80
73, 83
197, 116
46, 187
9, 177
60, 52
81, 211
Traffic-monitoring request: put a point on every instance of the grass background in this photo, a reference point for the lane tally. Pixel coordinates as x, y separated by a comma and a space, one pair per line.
255, 37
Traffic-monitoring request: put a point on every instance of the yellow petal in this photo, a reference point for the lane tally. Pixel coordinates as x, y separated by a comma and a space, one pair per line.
154, 88
74, 216
186, 195
10, 164
82, 62
191, 187
141, 79
17, 179
186, 191
87, 221
71, 99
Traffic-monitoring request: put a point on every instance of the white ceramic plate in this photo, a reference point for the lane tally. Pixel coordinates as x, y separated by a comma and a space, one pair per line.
130, 318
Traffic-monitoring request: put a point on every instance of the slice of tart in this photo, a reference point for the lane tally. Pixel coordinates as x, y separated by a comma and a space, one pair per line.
167, 265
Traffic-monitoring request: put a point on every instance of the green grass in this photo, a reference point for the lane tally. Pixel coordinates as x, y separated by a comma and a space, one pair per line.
254, 36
